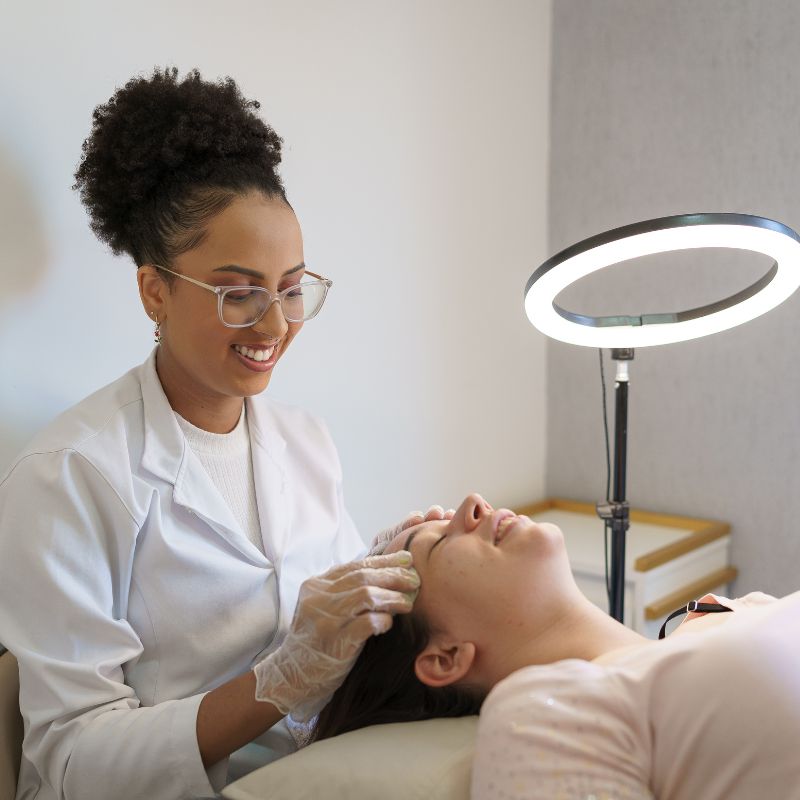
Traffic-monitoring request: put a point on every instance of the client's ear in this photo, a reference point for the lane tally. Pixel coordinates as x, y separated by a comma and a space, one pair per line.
443, 662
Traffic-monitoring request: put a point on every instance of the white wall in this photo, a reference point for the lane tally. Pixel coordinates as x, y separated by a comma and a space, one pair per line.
415, 155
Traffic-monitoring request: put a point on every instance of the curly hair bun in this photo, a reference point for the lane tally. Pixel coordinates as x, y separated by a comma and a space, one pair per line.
159, 139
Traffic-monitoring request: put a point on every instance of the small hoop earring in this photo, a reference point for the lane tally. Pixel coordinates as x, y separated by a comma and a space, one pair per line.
157, 332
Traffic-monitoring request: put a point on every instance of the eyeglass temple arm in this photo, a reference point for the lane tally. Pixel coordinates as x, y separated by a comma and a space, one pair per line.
214, 289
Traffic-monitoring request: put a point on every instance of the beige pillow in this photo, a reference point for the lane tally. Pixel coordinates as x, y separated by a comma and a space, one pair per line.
430, 760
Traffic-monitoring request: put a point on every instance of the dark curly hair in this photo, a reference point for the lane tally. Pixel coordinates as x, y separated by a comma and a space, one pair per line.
382, 687
165, 155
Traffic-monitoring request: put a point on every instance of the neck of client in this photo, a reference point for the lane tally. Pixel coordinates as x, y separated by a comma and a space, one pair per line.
575, 629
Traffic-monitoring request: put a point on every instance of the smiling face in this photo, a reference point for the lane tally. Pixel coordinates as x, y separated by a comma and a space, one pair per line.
491, 579
204, 366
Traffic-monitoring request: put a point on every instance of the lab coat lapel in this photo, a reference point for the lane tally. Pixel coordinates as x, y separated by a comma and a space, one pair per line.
195, 491
167, 455
273, 487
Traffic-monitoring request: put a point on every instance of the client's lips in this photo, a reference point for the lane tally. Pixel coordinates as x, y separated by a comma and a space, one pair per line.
502, 520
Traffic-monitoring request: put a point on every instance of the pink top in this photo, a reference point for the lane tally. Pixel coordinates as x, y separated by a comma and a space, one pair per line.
710, 713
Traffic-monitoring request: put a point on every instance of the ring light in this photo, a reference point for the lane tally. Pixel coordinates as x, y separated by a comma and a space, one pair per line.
623, 333
666, 234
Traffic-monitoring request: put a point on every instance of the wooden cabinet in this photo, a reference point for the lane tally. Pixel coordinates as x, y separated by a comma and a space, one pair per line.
670, 560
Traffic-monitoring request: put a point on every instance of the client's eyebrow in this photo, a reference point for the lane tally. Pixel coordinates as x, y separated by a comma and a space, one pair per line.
411, 539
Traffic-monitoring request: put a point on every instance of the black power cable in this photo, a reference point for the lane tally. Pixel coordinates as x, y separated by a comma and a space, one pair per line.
606, 523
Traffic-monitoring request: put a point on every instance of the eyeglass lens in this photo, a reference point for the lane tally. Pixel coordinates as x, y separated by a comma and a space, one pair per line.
243, 307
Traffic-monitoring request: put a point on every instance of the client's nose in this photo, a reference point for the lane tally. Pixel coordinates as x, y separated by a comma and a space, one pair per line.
472, 510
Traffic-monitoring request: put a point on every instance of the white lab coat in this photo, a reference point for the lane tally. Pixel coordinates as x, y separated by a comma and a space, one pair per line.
128, 588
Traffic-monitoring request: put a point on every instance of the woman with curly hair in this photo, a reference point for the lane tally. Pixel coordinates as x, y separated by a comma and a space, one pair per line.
159, 540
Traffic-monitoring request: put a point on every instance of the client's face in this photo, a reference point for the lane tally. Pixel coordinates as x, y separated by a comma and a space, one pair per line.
488, 576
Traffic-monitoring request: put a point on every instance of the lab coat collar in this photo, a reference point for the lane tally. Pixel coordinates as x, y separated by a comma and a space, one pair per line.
167, 456
273, 487
164, 442
263, 431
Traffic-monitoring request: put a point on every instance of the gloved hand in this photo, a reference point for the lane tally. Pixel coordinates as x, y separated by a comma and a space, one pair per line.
384, 537
336, 613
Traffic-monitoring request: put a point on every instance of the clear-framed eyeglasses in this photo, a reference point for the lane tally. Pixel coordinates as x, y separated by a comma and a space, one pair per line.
243, 306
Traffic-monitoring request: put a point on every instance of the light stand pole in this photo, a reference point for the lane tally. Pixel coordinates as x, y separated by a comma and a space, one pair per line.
617, 512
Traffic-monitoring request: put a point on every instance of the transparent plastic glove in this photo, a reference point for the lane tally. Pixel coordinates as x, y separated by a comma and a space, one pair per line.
301, 732
336, 613
380, 542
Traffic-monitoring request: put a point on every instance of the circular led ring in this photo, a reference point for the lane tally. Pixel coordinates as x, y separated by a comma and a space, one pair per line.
666, 234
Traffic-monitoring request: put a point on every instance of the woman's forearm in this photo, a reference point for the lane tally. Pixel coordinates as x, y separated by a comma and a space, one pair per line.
230, 716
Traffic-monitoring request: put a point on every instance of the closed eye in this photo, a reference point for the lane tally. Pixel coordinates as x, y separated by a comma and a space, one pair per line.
240, 295
438, 541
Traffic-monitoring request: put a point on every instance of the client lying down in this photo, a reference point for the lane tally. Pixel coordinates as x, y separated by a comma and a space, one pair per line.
579, 706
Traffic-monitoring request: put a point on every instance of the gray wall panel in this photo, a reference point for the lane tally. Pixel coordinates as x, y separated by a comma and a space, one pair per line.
663, 108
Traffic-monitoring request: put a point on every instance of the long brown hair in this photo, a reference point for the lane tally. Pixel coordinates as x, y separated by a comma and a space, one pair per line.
382, 687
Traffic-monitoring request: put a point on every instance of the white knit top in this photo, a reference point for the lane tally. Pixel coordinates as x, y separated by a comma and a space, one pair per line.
228, 461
